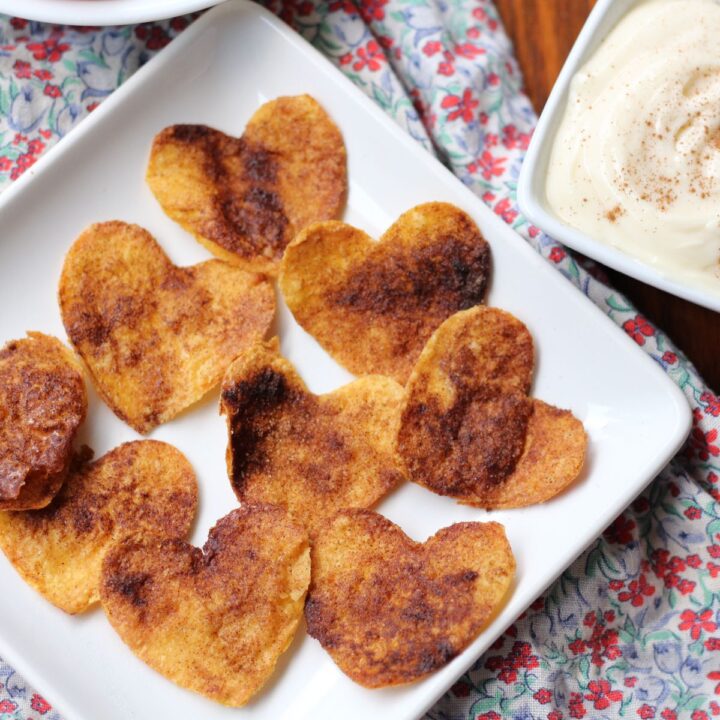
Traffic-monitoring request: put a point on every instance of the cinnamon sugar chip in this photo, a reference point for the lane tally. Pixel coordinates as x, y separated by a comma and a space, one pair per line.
468, 428
312, 454
246, 198
215, 620
389, 610
156, 337
373, 305
42, 405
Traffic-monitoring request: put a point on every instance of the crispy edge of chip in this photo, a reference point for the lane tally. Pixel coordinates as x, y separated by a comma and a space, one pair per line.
37, 492
39, 487
553, 458
265, 356
78, 254
116, 583
375, 533
257, 265
14, 525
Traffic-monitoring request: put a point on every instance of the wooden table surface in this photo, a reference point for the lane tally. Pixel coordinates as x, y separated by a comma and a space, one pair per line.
543, 32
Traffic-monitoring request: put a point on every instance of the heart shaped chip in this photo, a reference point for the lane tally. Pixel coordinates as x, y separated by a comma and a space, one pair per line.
141, 487
373, 305
42, 404
390, 610
214, 620
311, 454
467, 427
246, 198
156, 337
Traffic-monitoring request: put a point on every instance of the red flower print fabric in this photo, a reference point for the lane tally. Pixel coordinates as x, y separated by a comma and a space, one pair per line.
632, 628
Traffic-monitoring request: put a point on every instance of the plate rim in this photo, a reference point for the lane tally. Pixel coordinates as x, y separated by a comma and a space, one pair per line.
682, 415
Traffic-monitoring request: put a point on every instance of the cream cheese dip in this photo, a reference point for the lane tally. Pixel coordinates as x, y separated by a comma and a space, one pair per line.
636, 160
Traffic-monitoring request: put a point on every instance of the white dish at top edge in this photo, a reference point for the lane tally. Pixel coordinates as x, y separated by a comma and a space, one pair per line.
101, 12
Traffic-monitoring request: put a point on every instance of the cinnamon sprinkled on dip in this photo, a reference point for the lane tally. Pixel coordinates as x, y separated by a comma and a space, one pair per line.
636, 161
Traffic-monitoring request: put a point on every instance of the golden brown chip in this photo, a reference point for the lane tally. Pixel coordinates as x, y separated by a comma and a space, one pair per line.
42, 404
137, 488
246, 198
373, 306
467, 428
215, 620
390, 610
311, 454
156, 337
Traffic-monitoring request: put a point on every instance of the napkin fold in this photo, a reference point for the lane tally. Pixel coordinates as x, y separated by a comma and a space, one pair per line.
632, 628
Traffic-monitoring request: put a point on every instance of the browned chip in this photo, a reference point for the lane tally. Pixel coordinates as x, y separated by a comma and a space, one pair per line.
310, 454
139, 487
390, 610
156, 337
373, 306
214, 620
467, 428
245, 199
42, 405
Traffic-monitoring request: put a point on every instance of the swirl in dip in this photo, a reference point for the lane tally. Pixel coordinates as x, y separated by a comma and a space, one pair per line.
636, 161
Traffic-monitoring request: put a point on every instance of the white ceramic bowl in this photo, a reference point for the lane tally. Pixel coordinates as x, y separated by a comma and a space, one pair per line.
531, 188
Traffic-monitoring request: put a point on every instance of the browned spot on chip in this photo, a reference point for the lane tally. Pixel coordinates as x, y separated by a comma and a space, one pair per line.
156, 337
246, 198
390, 610
42, 405
373, 306
553, 457
310, 454
142, 487
471, 446
467, 427
214, 620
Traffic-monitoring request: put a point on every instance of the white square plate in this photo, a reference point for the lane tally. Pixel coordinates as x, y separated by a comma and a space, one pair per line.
218, 72
532, 196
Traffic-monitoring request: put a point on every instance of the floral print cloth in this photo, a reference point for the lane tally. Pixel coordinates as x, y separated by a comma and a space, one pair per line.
632, 629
